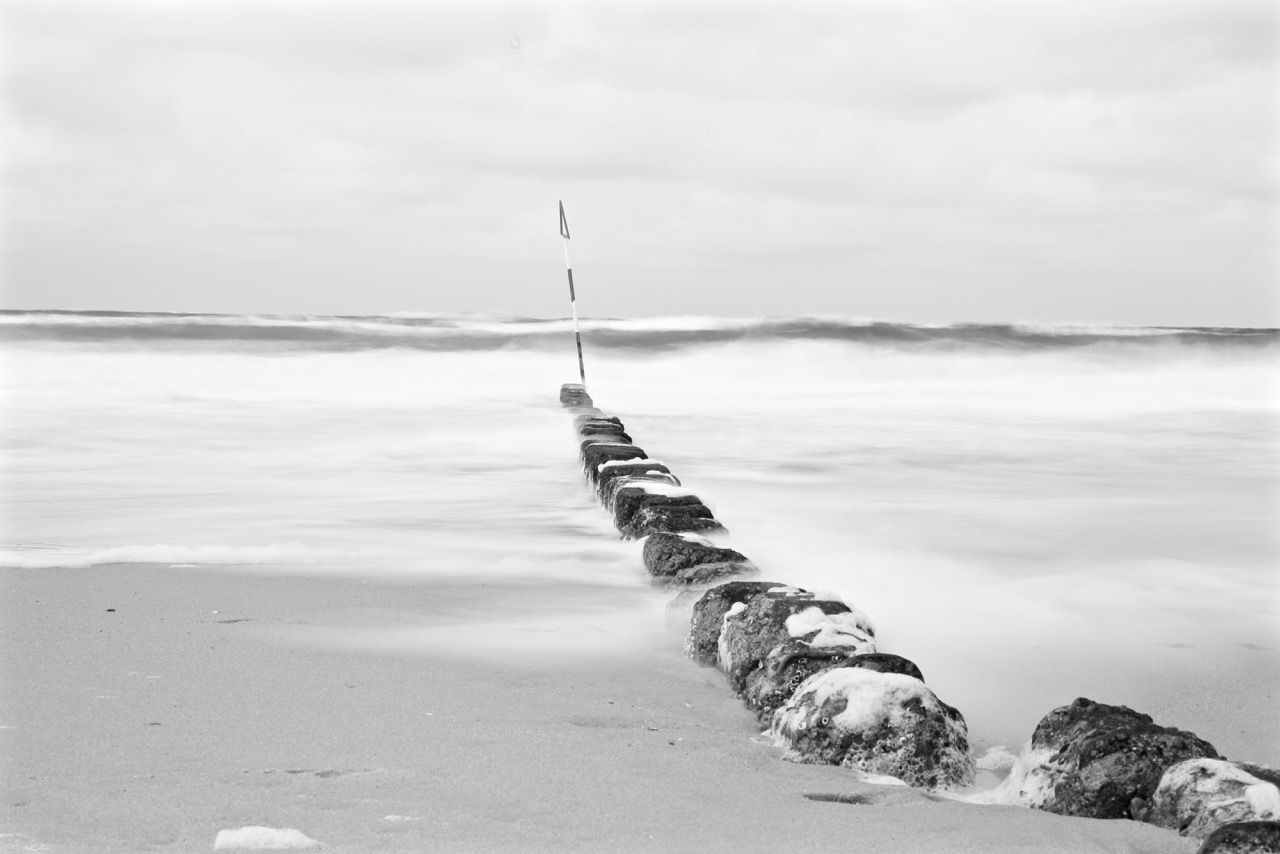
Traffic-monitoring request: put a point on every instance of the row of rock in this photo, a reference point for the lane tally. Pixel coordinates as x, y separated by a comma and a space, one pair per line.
807, 665
648, 502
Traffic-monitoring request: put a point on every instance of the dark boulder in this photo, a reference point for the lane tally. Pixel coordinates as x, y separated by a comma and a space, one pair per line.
604, 423
792, 662
879, 723
1100, 760
1245, 837
598, 416
625, 468
629, 499
575, 395
609, 490
673, 518
667, 554
754, 628
707, 619
594, 455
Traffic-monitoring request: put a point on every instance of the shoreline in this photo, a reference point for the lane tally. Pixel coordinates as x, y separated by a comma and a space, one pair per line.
340, 707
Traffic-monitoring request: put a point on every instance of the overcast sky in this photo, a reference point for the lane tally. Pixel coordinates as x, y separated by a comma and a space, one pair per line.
934, 160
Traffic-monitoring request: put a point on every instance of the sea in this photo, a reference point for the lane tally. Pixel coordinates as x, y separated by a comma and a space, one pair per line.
1030, 512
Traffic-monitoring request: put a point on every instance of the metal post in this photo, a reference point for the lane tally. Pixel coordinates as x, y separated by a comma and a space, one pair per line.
573, 297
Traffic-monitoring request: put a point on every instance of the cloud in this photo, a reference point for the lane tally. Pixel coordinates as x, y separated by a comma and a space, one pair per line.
919, 145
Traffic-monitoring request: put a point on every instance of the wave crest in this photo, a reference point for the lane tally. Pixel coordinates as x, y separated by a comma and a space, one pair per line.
454, 332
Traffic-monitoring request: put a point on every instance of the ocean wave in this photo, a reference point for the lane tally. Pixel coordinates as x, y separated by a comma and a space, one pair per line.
457, 332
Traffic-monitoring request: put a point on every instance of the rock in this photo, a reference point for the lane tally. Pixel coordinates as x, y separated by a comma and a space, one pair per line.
766, 621
1245, 837
672, 518
1096, 759
609, 490
597, 416
575, 395
705, 573
879, 723
1198, 796
597, 453
793, 661
600, 437
667, 554
628, 500
707, 620
628, 468
598, 424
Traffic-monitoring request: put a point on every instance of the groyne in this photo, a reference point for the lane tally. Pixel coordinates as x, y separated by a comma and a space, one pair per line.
810, 668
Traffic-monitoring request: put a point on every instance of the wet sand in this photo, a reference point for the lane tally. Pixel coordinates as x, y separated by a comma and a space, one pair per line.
147, 707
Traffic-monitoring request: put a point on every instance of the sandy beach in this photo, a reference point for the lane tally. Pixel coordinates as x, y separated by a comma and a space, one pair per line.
147, 707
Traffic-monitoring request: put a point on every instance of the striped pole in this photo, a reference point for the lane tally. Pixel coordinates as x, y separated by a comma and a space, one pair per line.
573, 298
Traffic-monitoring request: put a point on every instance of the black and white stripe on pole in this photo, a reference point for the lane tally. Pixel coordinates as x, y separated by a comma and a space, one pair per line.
573, 297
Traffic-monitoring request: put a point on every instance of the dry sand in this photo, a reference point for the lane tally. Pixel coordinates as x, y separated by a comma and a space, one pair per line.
216, 698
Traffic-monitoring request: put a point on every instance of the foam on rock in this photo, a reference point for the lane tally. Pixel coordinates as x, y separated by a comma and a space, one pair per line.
879, 723
1198, 796
789, 664
762, 623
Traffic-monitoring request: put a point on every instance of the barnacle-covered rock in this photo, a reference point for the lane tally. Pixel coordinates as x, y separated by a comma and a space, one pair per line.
879, 723
1102, 761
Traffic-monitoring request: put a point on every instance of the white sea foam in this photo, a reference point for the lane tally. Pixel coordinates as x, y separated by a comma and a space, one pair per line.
1030, 778
851, 628
609, 463
997, 758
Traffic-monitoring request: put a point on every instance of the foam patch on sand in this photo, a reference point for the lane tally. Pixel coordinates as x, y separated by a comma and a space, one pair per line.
263, 839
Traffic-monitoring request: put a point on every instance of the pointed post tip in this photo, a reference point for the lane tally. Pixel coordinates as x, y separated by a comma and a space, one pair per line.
564, 223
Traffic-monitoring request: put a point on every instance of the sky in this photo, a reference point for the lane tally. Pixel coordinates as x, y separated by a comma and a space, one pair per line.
919, 160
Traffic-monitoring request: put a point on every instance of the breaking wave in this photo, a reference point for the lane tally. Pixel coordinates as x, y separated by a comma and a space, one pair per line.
452, 332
